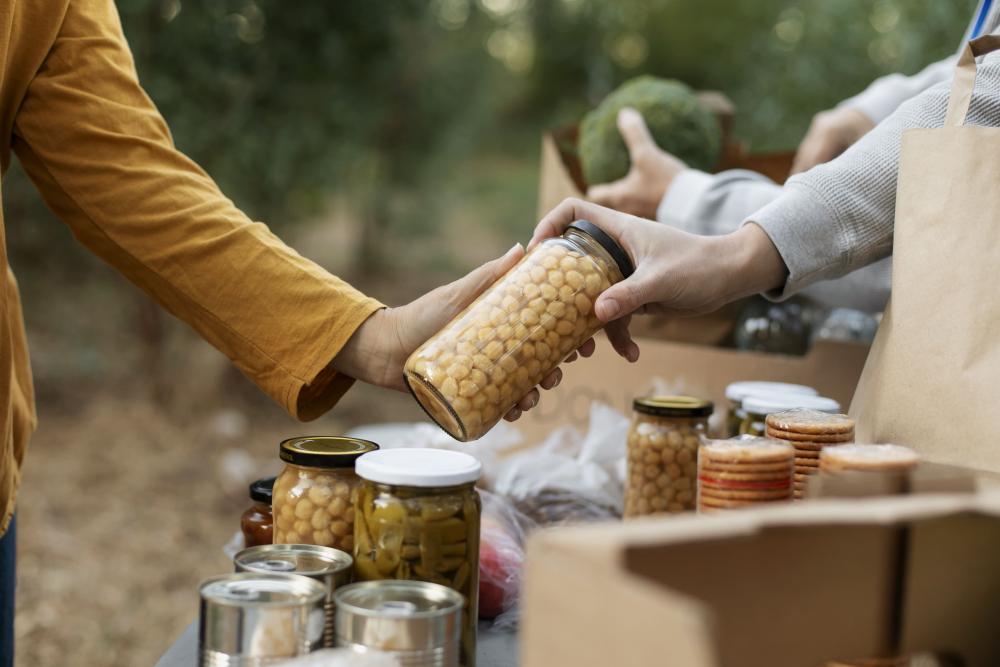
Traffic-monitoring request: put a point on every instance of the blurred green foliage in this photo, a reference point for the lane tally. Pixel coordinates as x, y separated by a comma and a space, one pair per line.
284, 104
422, 117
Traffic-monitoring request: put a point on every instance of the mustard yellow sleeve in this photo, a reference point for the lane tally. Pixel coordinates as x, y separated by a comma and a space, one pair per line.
102, 156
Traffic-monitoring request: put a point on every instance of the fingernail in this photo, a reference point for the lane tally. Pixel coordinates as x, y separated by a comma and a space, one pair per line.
514, 249
608, 309
633, 353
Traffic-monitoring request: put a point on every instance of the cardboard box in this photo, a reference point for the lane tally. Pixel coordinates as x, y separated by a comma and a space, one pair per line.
787, 586
698, 370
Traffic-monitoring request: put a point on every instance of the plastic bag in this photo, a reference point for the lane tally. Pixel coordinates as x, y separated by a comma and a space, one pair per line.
342, 657
501, 559
570, 476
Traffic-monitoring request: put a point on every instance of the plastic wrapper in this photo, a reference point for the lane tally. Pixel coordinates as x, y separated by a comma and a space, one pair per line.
501, 559
342, 657
570, 477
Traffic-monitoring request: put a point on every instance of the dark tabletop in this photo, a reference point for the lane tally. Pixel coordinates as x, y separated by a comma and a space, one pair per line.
497, 648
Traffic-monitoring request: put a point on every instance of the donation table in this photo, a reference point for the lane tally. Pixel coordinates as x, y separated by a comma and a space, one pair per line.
496, 648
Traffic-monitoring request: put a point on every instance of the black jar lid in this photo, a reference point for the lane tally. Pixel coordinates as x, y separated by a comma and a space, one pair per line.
616, 251
324, 451
673, 406
261, 490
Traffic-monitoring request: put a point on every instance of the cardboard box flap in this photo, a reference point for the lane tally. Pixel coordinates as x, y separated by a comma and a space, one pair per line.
952, 588
794, 585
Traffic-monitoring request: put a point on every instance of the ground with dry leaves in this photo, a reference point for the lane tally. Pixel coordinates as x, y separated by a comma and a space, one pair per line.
125, 507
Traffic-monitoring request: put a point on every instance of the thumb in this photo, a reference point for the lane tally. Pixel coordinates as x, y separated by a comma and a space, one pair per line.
607, 194
621, 299
634, 131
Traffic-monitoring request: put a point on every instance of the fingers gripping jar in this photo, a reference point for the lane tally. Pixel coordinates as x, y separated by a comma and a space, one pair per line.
418, 516
313, 498
469, 374
663, 454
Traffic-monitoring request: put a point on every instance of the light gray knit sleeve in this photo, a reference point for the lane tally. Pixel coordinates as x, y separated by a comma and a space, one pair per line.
838, 216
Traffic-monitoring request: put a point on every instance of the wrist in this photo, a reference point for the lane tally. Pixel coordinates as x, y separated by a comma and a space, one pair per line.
365, 356
753, 263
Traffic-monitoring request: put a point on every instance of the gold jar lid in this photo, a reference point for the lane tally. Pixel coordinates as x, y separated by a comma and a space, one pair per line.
673, 406
324, 451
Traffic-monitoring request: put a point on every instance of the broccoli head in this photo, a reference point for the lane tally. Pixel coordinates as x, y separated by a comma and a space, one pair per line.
677, 120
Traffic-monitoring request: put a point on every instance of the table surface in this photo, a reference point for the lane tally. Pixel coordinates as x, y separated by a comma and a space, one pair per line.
496, 648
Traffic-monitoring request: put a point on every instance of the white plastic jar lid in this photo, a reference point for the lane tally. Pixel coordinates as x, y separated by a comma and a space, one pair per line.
771, 403
737, 391
418, 467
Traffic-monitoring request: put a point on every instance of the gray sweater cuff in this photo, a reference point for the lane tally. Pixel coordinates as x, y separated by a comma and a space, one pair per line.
807, 235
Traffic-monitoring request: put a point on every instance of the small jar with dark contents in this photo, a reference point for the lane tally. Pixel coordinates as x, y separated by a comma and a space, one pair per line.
257, 523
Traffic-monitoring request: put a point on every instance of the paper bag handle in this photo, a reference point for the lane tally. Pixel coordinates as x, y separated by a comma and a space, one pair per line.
965, 78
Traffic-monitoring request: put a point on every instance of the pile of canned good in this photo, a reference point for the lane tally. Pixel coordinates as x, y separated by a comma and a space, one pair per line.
412, 551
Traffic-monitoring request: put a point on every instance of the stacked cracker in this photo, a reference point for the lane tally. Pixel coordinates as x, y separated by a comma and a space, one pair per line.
742, 473
809, 432
876, 458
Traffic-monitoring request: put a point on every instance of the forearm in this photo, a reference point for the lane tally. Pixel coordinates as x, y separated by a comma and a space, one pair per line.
713, 204
839, 216
884, 95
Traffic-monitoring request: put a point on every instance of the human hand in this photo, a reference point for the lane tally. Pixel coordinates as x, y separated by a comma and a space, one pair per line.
380, 347
830, 134
652, 171
676, 273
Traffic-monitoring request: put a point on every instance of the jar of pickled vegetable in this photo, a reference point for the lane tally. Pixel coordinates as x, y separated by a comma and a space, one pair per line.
313, 498
257, 523
417, 518
469, 374
737, 392
663, 454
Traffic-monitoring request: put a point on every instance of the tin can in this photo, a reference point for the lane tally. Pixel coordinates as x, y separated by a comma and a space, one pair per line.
330, 567
253, 620
417, 622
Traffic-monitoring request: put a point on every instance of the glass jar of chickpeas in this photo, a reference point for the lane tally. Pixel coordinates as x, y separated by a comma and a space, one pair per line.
469, 374
663, 445
417, 518
313, 497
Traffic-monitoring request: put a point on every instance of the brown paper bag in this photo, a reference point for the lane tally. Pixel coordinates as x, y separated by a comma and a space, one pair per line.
932, 379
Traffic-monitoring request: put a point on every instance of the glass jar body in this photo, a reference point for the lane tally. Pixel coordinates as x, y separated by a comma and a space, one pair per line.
468, 375
753, 424
422, 534
315, 506
662, 464
257, 525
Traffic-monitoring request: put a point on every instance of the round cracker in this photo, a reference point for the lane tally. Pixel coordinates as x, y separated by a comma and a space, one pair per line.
716, 503
869, 457
743, 476
810, 422
743, 485
750, 451
806, 463
819, 438
736, 494
749, 468
807, 454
